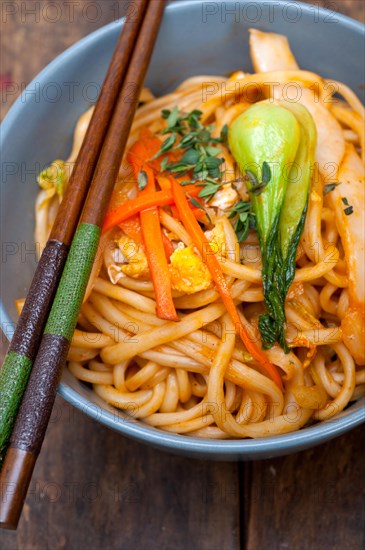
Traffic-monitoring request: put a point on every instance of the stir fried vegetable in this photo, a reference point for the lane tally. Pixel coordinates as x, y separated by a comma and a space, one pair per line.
274, 144
151, 231
131, 207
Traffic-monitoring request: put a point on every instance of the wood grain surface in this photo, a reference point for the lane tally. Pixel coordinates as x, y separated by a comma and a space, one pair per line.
93, 489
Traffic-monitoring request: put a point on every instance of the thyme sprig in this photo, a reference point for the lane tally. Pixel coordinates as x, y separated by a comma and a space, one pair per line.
197, 204
329, 187
209, 188
350, 209
258, 186
200, 151
245, 219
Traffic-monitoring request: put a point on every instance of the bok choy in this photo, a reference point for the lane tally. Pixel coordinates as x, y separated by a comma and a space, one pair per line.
274, 144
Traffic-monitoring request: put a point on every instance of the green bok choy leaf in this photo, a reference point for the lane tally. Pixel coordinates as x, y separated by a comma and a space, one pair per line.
281, 136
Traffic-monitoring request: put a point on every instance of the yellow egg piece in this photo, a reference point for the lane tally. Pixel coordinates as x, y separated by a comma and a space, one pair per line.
188, 272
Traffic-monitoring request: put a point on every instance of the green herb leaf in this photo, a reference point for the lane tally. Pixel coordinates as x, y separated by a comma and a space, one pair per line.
209, 190
258, 189
224, 134
266, 173
329, 187
179, 168
197, 204
166, 146
241, 206
194, 202
253, 179
188, 140
241, 228
256, 186
142, 180
245, 219
349, 210
190, 157
212, 180
172, 118
200, 155
193, 119
212, 151
213, 162
202, 175
164, 164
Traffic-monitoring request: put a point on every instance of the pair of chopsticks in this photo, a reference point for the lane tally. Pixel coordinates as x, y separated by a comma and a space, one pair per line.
24, 346
38, 351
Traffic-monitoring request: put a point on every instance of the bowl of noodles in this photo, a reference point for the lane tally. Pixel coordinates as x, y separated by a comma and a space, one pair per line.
224, 317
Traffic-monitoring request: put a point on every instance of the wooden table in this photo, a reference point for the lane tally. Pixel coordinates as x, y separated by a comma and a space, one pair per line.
93, 489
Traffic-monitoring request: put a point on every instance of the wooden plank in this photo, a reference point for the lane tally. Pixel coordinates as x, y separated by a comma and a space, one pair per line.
312, 500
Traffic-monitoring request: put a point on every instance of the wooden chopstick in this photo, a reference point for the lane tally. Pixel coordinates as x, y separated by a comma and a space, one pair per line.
25, 343
36, 407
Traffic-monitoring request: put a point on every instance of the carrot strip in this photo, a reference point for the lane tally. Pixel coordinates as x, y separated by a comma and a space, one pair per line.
142, 151
134, 206
132, 228
198, 213
202, 244
156, 257
152, 235
168, 246
165, 184
145, 148
191, 189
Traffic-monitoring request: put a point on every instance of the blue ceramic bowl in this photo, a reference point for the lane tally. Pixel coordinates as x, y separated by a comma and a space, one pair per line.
195, 38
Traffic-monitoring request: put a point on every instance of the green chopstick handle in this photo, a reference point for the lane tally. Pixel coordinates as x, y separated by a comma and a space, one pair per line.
18, 362
71, 290
36, 407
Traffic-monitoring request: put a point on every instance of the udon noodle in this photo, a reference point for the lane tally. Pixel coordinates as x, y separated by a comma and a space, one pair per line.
195, 376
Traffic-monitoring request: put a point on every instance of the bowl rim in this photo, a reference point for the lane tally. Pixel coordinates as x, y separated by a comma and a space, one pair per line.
257, 448
137, 430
